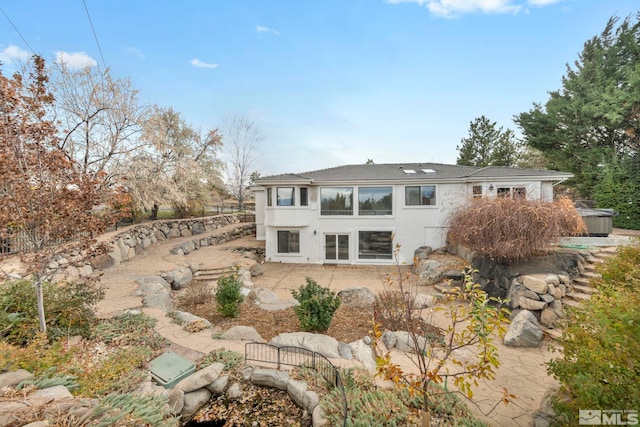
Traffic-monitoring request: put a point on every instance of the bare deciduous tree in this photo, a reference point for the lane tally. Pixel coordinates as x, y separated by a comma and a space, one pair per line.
241, 139
44, 194
102, 119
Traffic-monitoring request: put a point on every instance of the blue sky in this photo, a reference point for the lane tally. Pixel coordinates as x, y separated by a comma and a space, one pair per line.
329, 82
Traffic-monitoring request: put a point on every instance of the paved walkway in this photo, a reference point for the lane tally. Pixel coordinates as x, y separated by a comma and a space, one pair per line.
522, 371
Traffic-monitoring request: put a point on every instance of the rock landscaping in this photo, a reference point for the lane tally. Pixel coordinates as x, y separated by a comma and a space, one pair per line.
540, 288
124, 246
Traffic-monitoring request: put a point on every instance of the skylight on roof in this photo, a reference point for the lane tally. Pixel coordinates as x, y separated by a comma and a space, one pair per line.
408, 171
428, 171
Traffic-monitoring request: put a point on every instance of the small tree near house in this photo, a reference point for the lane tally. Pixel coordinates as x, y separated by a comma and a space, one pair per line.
473, 321
44, 194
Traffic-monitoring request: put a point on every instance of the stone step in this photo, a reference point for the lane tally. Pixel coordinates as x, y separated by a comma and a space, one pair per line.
568, 302
591, 268
578, 296
582, 281
591, 275
584, 289
605, 253
210, 274
553, 334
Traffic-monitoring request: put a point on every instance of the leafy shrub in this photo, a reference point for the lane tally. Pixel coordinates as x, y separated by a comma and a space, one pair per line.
599, 367
68, 310
513, 229
228, 296
317, 306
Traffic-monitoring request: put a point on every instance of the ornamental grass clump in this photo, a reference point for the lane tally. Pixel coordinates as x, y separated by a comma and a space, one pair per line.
509, 229
317, 306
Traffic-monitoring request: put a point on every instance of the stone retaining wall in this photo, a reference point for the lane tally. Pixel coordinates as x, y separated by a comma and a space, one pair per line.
74, 264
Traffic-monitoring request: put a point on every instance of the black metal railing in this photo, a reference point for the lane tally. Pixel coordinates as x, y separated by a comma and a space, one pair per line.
19, 241
301, 357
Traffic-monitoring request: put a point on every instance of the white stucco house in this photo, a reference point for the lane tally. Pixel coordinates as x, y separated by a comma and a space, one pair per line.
348, 214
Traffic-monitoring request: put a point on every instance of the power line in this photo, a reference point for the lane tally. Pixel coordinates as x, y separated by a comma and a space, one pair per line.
17, 31
95, 36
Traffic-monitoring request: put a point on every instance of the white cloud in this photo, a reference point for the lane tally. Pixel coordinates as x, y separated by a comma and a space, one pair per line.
449, 8
543, 2
263, 29
197, 63
75, 59
135, 51
13, 53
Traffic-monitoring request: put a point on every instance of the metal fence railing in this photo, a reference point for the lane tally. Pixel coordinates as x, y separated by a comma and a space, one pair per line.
301, 357
19, 241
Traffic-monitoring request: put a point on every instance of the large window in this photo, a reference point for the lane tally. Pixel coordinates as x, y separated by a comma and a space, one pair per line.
375, 245
512, 192
336, 201
288, 242
420, 196
375, 200
284, 196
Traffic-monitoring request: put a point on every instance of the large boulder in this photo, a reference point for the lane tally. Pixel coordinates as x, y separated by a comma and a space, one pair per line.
201, 378
428, 272
405, 343
364, 353
242, 333
155, 292
195, 400
187, 319
357, 297
270, 378
180, 277
323, 344
536, 284
524, 331
13, 378
263, 296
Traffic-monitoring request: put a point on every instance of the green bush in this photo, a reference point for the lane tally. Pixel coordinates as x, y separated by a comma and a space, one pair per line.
68, 310
228, 296
317, 306
600, 364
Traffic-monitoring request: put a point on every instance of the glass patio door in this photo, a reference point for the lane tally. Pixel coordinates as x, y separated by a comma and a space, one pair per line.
336, 247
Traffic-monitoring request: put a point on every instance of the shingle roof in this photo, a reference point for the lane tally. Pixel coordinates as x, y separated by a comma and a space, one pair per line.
400, 172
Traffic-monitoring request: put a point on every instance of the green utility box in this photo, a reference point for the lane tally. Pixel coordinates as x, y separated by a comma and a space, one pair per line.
170, 368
